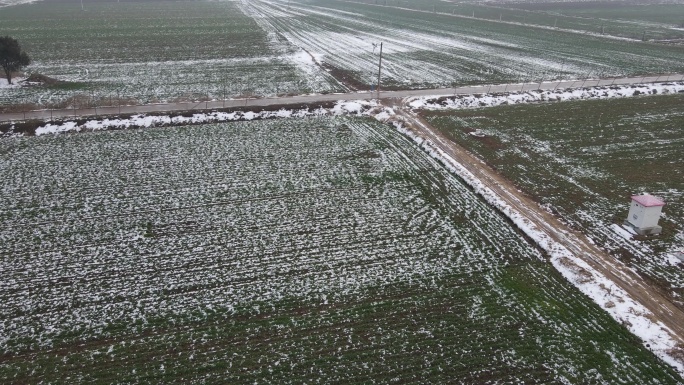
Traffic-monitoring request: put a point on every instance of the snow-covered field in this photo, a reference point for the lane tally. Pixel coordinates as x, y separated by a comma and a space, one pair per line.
15, 82
629, 312
611, 19
154, 52
583, 160
318, 242
6, 3
428, 50
322, 246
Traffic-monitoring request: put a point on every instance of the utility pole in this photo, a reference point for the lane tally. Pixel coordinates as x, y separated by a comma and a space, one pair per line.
379, 69
555, 22
82, 9
560, 76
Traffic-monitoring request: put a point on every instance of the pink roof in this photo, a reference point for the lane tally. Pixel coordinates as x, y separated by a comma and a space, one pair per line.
647, 200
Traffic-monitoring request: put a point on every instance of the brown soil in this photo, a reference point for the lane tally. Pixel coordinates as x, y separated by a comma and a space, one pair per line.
45, 80
345, 77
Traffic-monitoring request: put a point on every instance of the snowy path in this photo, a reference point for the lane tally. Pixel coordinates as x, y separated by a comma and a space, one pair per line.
318, 98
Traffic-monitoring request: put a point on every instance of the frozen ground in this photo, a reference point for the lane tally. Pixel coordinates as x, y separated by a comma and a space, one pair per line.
142, 52
267, 48
590, 281
424, 50
618, 303
15, 82
577, 159
261, 249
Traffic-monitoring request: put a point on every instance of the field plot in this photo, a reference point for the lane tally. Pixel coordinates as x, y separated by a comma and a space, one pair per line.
584, 159
290, 251
660, 21
627, 20
153, 51
423, 50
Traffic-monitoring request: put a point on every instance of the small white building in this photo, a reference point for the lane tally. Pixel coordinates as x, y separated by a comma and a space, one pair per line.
644, 214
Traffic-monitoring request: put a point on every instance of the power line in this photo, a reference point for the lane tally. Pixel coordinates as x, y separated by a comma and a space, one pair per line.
379, 69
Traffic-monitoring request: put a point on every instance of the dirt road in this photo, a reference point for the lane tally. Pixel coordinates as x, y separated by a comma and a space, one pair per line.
577, 243
317, 98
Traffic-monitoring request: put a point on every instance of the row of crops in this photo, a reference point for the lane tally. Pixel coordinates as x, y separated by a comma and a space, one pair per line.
146, 52
278, 251
425, 49
584, 159
649, 21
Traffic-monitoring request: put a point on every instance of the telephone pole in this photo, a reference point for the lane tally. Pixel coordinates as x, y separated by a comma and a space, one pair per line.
379, 69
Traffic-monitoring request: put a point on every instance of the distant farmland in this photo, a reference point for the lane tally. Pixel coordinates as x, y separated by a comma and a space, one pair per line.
632, 20
150, 51
141, 52
282, 251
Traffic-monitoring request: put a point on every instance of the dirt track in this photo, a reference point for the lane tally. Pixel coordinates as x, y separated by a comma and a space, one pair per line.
577, 243
47, 115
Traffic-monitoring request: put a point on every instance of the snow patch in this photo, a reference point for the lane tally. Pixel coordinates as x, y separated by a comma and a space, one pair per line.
491, 100
304, 61
622, 231
676, 258
358, 107
15, 80
7, 3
